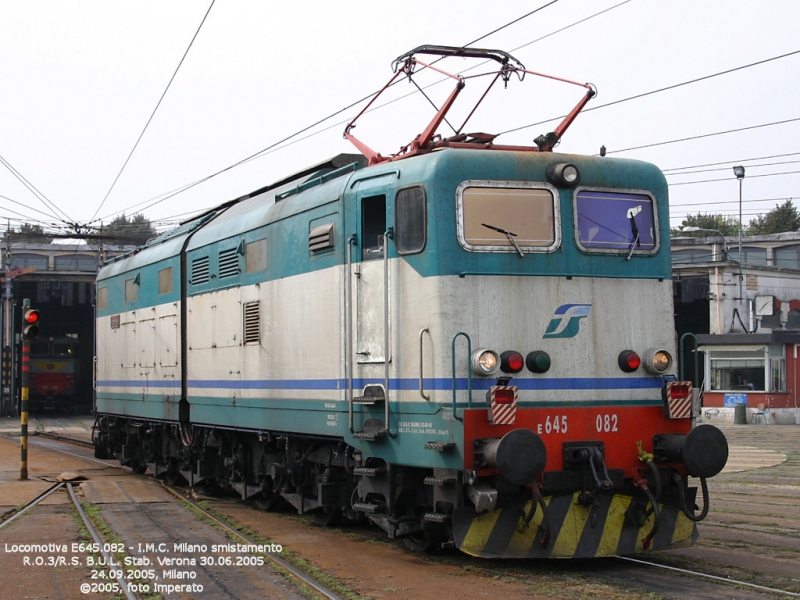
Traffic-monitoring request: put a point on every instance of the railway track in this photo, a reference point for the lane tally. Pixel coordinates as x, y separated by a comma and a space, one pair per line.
698, 575
143, 547
700, 572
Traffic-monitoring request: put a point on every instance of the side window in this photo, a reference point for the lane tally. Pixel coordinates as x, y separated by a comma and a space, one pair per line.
373, 226
411, 220
165, 284
255, 256
132, 289
615, 222
102, 297
40, 348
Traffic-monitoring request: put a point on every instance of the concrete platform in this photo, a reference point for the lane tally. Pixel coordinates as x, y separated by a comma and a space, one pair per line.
78, 426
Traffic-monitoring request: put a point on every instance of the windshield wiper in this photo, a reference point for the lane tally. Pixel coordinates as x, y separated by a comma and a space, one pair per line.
509, 235
636, 243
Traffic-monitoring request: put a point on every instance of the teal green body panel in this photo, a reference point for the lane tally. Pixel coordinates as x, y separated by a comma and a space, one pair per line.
140, 406
286, 224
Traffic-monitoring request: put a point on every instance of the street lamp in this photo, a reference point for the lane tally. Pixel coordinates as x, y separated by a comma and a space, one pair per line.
692, 228
739, 172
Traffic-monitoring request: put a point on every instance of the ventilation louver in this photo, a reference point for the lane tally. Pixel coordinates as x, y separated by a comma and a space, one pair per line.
321, 237
228, 263
252, 322
200, 271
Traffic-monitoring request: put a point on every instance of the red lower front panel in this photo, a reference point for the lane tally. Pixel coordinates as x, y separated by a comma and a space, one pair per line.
618, 427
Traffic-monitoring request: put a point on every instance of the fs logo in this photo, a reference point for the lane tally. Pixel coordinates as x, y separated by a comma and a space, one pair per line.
566, 320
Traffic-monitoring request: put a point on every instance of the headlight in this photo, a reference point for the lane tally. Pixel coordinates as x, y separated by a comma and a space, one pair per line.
563, 174
657, 361
485, 362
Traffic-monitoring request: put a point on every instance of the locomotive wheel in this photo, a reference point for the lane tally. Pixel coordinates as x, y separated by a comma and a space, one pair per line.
267, 500
172, 475
209, 487
328, 516
419, 541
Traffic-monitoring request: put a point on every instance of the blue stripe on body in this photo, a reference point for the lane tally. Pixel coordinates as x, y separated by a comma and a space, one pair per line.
439, 383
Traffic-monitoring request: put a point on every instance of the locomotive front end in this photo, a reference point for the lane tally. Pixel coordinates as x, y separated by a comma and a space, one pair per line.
585, 445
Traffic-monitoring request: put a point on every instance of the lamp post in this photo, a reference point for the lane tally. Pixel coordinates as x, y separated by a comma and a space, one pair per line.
739, 172
692, 228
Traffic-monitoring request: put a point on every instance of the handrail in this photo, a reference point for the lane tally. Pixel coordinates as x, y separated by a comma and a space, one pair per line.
469, 372
421, 379
387, 235
348, 330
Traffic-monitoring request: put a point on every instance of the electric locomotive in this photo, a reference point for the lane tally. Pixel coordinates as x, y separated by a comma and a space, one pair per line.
466, 343
54, 373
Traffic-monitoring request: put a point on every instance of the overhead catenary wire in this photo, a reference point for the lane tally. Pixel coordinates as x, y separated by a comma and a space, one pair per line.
658, 91
144, 205
612, 103
730, 162
34, 190
153, 114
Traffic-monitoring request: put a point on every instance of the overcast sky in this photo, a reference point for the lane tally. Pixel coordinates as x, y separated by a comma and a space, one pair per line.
81, 79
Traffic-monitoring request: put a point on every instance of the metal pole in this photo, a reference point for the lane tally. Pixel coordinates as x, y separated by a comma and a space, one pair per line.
23, 439
741, 295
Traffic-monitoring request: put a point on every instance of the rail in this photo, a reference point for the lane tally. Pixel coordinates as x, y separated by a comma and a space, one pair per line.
318, 587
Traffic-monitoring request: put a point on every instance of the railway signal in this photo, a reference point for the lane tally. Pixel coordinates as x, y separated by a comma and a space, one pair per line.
30, 323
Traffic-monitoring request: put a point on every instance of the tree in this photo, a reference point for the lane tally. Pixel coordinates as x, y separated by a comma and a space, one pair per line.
30, 234
136, 230
725, 225
784, 217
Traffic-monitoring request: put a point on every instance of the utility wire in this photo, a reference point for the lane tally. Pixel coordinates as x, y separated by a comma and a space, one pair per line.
144, 205
32, 188
705, 135
125, 164
25, 206
731, 162
731, 179
727, 168
658, 91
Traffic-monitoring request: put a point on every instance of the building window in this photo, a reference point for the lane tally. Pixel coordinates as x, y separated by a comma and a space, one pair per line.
777, 363
76, 262
750, 255
40, 262
695, 255
746, 369
787, 256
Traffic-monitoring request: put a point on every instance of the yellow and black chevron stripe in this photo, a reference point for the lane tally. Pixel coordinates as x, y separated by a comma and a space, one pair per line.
576, 531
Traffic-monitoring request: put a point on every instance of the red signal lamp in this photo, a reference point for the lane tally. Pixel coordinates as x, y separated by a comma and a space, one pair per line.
629, 361
511, 362
30, 323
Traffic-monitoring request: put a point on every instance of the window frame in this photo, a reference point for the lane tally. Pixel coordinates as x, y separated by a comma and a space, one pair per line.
617, 251
398, 231
771, 359
507, 184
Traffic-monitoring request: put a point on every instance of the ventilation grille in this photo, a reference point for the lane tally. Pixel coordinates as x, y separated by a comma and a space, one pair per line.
252, 322
321, 237
200, 271
228, 263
